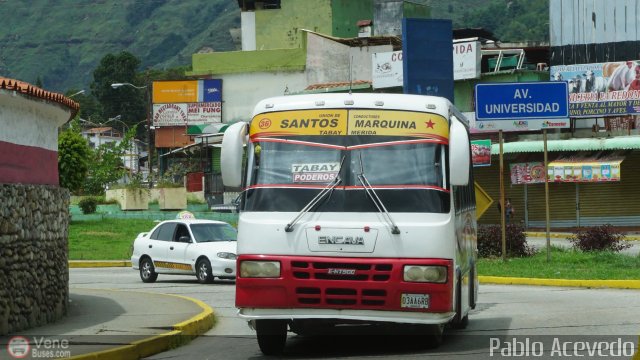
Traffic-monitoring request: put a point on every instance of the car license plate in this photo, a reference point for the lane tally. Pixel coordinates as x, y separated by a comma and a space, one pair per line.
414, 301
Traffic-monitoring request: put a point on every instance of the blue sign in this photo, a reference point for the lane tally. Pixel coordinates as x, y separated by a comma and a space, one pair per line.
427, 57
210, 90
522, 101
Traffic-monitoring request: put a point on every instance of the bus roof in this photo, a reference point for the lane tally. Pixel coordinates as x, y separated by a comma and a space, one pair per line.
422, 103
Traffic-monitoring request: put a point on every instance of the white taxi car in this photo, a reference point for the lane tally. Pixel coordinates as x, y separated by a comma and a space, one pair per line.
205, 248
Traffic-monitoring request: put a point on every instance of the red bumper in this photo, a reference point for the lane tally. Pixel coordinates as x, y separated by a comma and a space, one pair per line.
331, 283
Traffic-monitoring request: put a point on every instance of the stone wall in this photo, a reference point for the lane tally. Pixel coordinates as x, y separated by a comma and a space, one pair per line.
34, 274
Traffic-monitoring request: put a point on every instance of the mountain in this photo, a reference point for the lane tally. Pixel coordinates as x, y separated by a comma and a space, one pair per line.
61, 42
58, 43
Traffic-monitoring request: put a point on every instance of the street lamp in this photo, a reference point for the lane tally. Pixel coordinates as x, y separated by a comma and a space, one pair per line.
117, 85
76, 93
147, 100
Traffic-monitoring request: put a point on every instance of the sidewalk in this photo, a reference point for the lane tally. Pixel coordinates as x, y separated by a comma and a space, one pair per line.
113, 324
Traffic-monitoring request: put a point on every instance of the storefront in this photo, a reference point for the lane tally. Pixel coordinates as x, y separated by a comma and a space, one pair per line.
592, 182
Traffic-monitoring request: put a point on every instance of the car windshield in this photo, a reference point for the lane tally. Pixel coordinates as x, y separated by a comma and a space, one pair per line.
213, 232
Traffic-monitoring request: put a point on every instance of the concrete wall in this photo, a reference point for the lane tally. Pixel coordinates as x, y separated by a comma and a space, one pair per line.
248, 30
34, 274
347, 13
282, 28
329, 61
243, 91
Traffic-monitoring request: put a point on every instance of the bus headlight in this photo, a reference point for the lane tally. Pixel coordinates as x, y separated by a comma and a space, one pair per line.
260, 269
432, 274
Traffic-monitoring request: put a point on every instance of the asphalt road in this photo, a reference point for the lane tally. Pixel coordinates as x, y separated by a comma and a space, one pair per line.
547, 321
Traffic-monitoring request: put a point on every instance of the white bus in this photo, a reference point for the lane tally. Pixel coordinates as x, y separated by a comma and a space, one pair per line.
355, 208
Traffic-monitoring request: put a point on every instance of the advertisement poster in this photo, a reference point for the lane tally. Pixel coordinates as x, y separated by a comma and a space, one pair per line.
566, 171
584, 172
481, 152
601, 89
527, 173
187, 114
187, 102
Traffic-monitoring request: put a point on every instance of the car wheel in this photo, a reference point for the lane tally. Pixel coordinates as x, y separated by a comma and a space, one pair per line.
148, 272
272, 336
203, 271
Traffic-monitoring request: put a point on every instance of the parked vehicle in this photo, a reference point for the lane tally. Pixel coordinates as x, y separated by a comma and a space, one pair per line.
204, 248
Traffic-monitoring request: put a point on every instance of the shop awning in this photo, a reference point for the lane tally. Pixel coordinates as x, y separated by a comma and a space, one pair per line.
589, 144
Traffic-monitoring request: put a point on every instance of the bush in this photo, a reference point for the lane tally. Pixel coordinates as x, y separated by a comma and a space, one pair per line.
598, 238
88, 205
490, 241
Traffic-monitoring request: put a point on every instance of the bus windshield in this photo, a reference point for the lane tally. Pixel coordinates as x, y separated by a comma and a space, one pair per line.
408, 174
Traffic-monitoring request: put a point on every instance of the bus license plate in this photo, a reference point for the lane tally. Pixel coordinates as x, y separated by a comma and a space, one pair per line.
414, 301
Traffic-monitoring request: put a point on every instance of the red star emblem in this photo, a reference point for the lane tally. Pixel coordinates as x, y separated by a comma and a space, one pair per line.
430, 124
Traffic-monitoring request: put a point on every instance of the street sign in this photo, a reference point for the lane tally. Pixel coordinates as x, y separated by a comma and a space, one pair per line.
522, 106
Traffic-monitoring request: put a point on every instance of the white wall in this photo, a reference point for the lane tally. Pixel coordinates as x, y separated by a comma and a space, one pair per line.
30, 121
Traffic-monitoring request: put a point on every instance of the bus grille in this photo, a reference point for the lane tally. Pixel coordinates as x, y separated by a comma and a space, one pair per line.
341, 271
341, 296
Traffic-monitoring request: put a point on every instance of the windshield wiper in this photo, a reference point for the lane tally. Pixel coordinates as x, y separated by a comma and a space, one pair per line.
376, 200
327, 189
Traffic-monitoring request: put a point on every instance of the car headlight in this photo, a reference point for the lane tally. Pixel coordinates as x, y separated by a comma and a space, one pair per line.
432, 274
226, 255
261, 269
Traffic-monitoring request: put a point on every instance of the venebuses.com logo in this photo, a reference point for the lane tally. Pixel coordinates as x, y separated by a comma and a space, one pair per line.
19, 347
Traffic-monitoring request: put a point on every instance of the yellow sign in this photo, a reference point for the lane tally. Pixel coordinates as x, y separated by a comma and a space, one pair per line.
398, 123
167, 92
350, 122
304, 122
483, 201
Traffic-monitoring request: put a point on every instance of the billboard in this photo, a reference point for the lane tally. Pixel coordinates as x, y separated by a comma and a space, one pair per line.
187, 102
428, 59
601, 89
387, 67
467, 56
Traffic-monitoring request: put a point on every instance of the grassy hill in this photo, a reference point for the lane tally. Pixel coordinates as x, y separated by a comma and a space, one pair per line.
61, 42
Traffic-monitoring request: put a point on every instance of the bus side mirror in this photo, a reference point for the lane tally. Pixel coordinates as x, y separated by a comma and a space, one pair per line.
231, 154
459, 153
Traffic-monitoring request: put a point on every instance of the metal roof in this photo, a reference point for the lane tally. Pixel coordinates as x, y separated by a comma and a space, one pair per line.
587, 144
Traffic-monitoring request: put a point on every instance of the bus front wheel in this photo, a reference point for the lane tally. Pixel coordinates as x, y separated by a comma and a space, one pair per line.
272, 336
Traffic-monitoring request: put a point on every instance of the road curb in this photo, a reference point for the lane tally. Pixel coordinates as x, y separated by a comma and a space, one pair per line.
615, 284
181, 334
552, 235
98, 263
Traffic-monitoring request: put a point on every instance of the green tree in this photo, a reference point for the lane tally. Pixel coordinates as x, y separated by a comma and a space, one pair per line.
126, 101
73, 157
106, 166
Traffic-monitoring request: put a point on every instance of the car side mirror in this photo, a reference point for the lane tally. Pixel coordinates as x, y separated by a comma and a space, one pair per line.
184, 239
